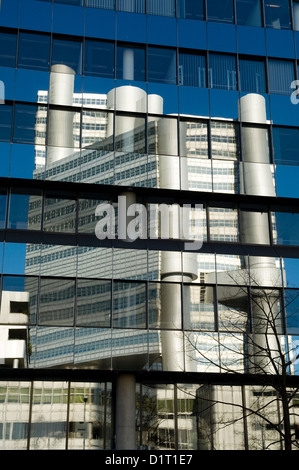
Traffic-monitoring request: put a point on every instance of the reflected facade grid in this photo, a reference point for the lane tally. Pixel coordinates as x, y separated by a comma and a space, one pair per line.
149, 224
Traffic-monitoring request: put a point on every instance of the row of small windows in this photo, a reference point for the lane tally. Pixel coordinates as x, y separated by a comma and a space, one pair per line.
153, 64
279, 14
198, 138
56, 302
67, 215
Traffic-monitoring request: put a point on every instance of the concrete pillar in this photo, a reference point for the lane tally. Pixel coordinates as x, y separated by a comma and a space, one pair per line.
125, 412
60, 138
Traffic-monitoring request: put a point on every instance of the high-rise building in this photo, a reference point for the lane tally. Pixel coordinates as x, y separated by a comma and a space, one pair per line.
149, 214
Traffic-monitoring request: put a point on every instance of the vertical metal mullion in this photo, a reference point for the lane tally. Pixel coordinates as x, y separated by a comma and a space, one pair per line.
30, 414
68, 415
245, 422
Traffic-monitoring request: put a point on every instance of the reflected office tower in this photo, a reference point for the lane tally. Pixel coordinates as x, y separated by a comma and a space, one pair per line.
95, 161
171, 350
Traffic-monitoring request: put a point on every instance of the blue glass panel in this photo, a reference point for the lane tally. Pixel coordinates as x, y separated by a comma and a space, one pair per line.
8, 49
287, 226
130, 63
24, 123
34, 51
192, 70
277, 14
169, 95
99, 58
161, 31
224, 103
292, 310
22, 161
31, 10
283, 111
14, 262
286, 145
5, 123
131, 28
192, 34
252, 75
105, 4
194, 101
133, 6
67, 53
251, 40
5, 149
191, 10
29, 83
68, 20
281, 76
280, 43
7, 76
103, 17
249, 12
71, 2
9, 13
161, 7
287, 178
220, 11
161, 65
222, 37
222, 71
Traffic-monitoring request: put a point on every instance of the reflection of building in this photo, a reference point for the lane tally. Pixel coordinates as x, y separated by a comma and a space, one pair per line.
114, 315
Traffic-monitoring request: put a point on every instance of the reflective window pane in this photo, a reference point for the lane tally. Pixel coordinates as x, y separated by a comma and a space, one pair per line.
34, 51
93, 303
281, 75
192, 70
222, 71
59, 215
67, 53
198, 307
56, 302
130, 63
220, 11
99, 58
292, 310
161, 7
225, 140
162, 65
249, 12
5, 122
286, 145
24, 211
24, 123
8, 49
191, 10
105, 4
133, 6
277, 14
252, 75
129, 305
286, 228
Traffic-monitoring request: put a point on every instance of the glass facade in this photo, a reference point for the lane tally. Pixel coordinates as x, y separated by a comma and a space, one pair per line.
149, 224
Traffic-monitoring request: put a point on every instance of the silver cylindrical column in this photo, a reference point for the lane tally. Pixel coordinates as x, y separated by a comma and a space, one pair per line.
60, 138
125, 411
176, 267
296, 15
258, 180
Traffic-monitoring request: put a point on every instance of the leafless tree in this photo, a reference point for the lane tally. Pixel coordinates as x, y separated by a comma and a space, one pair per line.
250, 339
